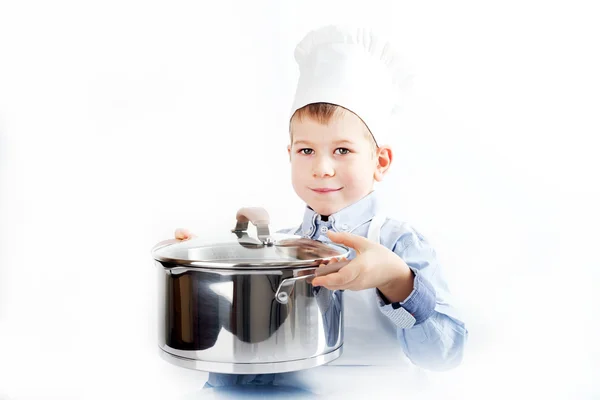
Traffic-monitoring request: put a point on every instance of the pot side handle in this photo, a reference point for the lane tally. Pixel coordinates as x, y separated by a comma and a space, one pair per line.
286, 286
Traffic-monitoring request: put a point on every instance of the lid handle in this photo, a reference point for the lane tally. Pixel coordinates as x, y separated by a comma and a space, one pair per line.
259, 218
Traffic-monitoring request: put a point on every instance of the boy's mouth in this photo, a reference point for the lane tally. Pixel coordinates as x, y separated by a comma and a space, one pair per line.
325, 190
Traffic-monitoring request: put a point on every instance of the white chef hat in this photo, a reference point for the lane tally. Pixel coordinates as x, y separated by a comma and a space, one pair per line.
354, 68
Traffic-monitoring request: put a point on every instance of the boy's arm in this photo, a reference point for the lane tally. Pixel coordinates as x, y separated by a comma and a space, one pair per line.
429, 328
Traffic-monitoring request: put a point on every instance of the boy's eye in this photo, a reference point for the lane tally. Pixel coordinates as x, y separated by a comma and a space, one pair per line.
343, 150
306, 151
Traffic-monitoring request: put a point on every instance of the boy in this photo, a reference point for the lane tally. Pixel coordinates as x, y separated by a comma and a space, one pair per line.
396, 302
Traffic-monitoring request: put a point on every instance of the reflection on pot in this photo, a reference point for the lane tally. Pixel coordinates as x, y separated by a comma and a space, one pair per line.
200, 306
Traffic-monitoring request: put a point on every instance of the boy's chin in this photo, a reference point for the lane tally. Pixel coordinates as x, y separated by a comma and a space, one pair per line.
327, 209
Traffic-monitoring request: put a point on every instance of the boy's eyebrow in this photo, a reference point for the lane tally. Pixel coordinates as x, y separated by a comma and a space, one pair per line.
304, 142
343, 141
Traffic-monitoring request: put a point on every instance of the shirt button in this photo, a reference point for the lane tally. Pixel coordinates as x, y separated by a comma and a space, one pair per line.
344, 227
324, 229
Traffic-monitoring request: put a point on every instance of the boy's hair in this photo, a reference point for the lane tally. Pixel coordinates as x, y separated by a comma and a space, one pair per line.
323, 113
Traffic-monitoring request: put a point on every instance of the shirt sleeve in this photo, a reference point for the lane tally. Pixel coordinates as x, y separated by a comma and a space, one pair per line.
430, 329
420, 303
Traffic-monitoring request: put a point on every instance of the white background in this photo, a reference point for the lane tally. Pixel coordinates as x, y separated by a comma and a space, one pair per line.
122, 120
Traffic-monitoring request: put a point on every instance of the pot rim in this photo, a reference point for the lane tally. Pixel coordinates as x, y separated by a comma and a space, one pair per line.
244, 265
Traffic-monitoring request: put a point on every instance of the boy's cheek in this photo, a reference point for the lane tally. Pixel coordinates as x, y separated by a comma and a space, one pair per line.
354, 176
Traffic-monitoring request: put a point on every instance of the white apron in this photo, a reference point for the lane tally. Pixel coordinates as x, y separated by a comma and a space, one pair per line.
369, 336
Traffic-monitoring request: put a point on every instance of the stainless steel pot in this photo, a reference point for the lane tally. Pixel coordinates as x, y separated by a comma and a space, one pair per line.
248, 306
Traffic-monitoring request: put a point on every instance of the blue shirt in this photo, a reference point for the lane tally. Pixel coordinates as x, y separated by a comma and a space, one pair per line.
437, 335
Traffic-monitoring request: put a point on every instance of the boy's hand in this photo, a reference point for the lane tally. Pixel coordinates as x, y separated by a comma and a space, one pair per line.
375, 266
183, 234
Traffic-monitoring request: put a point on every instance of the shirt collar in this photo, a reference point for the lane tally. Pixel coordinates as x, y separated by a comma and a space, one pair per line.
345, 220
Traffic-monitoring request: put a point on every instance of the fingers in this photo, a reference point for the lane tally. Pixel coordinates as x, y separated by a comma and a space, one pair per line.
342, 279
183, 234
356, 242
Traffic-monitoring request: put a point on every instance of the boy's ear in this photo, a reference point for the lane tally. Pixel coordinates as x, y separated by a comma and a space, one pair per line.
384, 158
289, 149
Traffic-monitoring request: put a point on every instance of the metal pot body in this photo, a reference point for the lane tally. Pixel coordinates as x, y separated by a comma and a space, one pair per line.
231, 320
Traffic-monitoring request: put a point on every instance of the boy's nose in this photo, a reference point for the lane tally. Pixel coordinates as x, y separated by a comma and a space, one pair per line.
322, 168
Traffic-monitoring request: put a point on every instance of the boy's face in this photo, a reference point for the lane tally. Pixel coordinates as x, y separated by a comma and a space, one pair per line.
334, 165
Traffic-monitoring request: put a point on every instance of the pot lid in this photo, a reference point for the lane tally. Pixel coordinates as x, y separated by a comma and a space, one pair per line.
276, 251
282, 252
